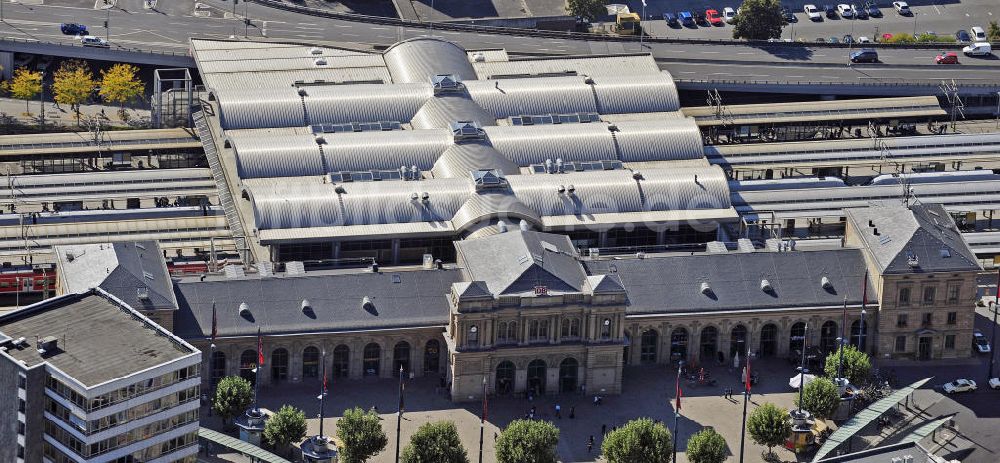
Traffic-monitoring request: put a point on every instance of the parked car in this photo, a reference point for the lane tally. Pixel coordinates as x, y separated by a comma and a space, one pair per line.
787, 14
902, 8
73, 29
820, 40
950, 57
865, 55
91, 41
729, 15
831, 12
978, 49
959, 385
833, 40
978, 34
671, 20
962, 36
686, 18
995, 383
699, 18
873, 10
848, 38
863, 39
714, 18
860, 13
978, 340
812, 12
845, 10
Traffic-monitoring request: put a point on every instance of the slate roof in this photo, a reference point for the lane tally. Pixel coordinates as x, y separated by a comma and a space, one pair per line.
98, 340
673, 284
121, 269
335, 299
924, 231
517, 261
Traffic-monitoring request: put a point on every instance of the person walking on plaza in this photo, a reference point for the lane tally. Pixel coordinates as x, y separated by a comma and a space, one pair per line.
558, 411
572, 412
590, 444
604, 430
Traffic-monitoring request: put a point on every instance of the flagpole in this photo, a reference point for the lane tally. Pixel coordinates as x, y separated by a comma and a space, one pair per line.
322, 398
677, 407
482, 422
211, 357
256, 382
399, 412
746, 398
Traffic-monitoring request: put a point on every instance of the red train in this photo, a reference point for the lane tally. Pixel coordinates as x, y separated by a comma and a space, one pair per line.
39, 278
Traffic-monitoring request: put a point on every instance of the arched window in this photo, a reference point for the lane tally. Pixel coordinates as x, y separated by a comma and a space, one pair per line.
218, 369
341, 361
401, 357
568, 372
709, 343
678, 344
796, 338
432, 355
647, 346
769, 340
279, 364
536, 377
310, 362
372, 359
828, 336
248, 362
738, 340
505, 377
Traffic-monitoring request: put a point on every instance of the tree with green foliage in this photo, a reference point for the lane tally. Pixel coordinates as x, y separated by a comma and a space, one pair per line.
435, 442
993, 32
362, 435
72, 84
25, 85
285, 427
769, 425
587, 9
233, 395
706, 446
820, 397
120, 84
528, 441
759, 20
641, 440
857, 365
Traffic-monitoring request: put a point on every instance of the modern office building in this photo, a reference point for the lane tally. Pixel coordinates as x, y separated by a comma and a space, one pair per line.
87, 378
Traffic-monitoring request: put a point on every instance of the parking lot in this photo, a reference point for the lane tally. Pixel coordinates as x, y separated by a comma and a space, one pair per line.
941, 17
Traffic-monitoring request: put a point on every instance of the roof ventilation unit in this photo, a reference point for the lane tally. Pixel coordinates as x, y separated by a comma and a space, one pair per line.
488, 178
478, 57
766, 286
425, 196
716, 247
912, 260
320, 61
637, 175
445, 83
502, 226
265, 269
561, 189
571, 189
339, 189
706, 289
315, 51
47, 345
306, 305
142, 293
523, 225
295, 268
234, 271
244, 309
825, 283
367, 304
744, 245
467, 130
303, 92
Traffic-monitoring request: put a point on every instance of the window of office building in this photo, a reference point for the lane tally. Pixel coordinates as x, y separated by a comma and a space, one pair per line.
929, 293
949, 341
902, 320
904, 296
953, 291
952, 318
900, 343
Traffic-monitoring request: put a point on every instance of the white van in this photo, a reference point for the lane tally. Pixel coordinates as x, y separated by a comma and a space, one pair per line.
978, 49
91, 41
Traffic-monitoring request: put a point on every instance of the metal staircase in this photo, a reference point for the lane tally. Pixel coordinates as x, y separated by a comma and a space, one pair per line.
225, 197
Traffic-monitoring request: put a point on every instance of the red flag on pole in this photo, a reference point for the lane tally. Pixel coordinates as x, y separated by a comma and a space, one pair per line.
215, 324
260, 349
324, 381
748, 373
679, 393
485, 404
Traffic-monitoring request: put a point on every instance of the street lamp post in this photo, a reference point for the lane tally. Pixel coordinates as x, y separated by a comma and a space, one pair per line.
861, 333
850, 44
993, 337
399, 412
642, 30
677, 408
914, 24
802, 367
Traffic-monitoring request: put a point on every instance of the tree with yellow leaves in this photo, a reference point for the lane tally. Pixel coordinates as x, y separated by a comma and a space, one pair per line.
73, 84
120, 84
25, 85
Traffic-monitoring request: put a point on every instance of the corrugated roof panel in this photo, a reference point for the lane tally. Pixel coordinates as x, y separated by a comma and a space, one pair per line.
304, 61
420, 59
460, 159
355, 151
549, 95
656, 140
270, 156
644, 93
622, 65
252, 108
277, 79
439, 112
526, 145
365, 103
